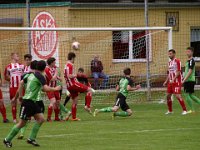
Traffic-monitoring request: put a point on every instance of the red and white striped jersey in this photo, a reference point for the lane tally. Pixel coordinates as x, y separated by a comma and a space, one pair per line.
174, 66
49, 73
27, 69
69, 70
15, 71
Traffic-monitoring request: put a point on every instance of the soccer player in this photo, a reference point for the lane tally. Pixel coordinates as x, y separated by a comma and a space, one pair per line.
189, 80
2, 106
124, 86
13, 73
82, 78
52, 78
34, 83
174, 82
27, 59
73, 86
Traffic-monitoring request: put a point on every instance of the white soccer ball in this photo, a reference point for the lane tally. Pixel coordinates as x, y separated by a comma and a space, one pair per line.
75, 45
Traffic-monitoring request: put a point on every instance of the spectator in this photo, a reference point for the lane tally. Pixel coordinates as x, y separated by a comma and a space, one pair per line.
97, 72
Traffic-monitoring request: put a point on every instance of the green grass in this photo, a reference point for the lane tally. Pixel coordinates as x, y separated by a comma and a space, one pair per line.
147, 129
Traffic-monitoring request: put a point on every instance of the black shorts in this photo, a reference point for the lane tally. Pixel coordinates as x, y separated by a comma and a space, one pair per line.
28, 108
41, 105
121, 102
189, 87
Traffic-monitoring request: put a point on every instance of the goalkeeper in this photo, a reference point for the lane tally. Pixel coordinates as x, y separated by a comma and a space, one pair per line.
125, 85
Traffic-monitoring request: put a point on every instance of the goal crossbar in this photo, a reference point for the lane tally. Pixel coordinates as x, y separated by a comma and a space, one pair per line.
84, 29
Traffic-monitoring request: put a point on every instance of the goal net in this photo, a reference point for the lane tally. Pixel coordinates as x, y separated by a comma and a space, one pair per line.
117, 48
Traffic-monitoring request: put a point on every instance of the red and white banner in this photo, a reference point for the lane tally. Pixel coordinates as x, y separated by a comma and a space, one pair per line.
44, 44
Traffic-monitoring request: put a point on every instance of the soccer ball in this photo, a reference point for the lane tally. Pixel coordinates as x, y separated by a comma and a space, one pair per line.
75, 45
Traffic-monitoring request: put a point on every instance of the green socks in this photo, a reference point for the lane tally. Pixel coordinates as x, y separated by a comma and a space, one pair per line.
121, 114
194, 98
189, 101
14, 131
34, 131
63, 108
107, 109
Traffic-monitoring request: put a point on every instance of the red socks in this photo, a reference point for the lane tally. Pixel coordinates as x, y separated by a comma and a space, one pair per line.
74, 108
50, 110
57, 111
181, 101
3, 112
169, 104
14, 112
88, 99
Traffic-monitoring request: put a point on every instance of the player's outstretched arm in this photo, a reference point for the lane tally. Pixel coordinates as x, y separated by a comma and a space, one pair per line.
47, 88
187, 75
117, 88
129, 88
19, 93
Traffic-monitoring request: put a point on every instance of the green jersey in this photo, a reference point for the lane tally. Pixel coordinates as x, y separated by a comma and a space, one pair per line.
34, 83
190, 64
123, 83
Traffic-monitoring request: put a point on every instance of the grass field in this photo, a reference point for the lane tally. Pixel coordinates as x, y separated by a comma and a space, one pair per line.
147, 129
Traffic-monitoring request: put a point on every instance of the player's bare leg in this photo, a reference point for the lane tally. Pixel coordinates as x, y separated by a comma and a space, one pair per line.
182, 103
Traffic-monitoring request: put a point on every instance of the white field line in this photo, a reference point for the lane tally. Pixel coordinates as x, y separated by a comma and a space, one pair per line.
128, 132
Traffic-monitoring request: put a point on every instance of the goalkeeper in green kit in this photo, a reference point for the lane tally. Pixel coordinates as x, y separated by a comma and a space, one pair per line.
124, 86
189, 80
35, 82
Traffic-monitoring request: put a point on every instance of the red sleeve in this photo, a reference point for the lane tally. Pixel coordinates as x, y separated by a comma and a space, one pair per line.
48, 74
178, 65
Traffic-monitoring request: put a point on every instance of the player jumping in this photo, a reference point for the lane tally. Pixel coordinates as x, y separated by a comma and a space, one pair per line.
174, 82
124, 86
73, 86
82, 78
189, 80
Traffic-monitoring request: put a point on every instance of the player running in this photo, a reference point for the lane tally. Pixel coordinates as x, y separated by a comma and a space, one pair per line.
2, 106
13, 73
174, 82
73, 86
35, 82
189, 79
124, 86
51, 74
82, 78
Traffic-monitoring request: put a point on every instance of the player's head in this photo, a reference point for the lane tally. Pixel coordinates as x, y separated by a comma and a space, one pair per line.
51, 61
190, 51
96, 57
33, 65
171, 53
71, 57
80, 71
28, 59
15, 57
127, 71
41, 65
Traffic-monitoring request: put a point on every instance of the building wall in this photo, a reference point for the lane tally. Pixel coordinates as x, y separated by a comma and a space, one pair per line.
100, 43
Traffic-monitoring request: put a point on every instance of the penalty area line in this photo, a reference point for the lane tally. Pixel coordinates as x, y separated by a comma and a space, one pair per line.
128, 132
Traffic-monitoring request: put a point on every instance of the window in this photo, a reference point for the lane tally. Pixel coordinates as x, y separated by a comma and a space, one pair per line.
129, 46
172, 20
195, 42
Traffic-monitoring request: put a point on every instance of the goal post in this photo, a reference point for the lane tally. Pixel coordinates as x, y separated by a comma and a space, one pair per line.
118, 47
